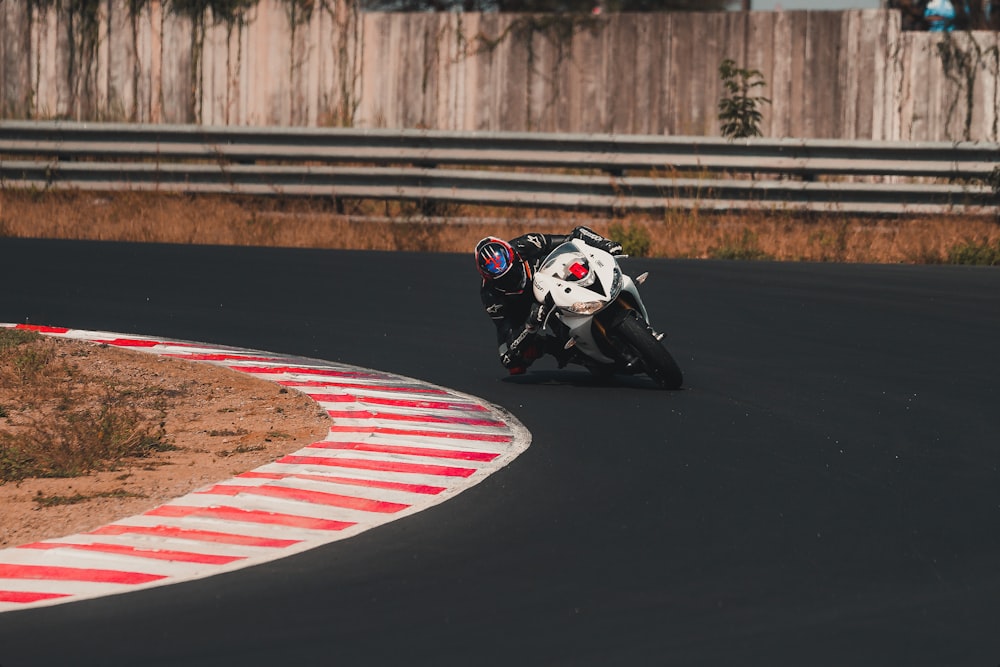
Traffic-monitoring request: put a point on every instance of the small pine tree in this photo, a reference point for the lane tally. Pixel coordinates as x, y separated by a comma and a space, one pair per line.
738, 111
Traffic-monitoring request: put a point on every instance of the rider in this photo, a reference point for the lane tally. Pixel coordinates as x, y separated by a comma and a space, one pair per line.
507, 268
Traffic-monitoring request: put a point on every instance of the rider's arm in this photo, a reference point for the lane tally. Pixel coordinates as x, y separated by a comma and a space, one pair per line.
592, 238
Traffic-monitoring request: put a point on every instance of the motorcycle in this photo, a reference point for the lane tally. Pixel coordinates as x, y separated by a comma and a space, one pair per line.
595, 310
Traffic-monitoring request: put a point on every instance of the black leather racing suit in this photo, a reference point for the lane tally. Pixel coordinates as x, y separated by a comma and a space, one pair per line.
518, 348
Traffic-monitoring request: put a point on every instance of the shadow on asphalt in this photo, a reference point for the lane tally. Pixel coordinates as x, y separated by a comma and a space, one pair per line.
583, 379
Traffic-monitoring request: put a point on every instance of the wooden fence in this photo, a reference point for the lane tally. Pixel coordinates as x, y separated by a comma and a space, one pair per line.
845, 75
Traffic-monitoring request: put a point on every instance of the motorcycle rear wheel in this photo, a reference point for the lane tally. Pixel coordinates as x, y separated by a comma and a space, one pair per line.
656, 360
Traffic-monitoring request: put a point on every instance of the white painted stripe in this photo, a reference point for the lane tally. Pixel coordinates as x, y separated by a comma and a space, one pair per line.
152, 543
80, 589
312, 504
375, 475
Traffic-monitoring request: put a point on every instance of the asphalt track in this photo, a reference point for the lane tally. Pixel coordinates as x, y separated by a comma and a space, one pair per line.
824, 491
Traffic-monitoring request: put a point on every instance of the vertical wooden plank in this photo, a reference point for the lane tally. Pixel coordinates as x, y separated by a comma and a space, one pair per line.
16, 56
213, 74
656, 41
323, 36
539, 81
452, 67
781, 78
799, 122
238, 74
651, 62
374, 47
7, 87
681, 84
175, 72
299, 57
920, 86
548, 45
984, 99
155, 61
119, 46
515, 102
585, 89
427, 93
140, 68
819, 88
865, 61
850, 69
990, 77
931, 88
759, 50
97, 101
621, 81
706, 45
251, 86
62, 90
735, 47
408, 76
886, 72
468, 89
666, 96
485, 95
906, 99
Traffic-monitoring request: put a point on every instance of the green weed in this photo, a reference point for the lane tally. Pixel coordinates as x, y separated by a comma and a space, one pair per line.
975, 252
635, 239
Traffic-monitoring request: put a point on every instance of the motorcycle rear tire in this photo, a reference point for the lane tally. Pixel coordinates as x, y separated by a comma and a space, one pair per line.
656, 360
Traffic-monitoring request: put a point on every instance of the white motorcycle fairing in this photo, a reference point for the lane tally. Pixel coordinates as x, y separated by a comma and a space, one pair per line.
581, 281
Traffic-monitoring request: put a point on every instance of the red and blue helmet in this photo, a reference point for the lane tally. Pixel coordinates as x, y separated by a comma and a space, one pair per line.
500, 266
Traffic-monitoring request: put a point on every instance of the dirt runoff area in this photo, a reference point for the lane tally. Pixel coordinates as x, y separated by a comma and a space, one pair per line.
220, 423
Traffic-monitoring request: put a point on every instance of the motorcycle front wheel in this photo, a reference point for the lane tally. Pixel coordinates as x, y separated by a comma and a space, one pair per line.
656, 360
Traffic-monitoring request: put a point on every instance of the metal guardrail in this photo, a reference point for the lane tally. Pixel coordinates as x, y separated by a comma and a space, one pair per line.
506, 169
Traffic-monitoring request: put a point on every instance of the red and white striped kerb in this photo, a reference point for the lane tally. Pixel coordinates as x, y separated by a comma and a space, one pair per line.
397, 446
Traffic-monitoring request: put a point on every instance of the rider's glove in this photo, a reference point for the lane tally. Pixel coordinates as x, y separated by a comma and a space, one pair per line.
536, 317
590, 237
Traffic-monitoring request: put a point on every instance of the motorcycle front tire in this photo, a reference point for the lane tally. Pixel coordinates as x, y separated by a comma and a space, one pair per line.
656, 360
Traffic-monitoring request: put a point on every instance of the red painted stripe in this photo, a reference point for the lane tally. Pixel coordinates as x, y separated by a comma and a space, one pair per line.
140, 342
267, 370
253, 516
420, 419
355, 385
10, 571
412, 451
486, 437
123, 550
28, 597
396, 402
196, 535
129, 342
307, 496
41, 328
193, 356
384, 466
352, 481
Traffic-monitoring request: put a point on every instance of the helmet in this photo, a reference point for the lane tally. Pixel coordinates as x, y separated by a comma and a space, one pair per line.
500, 265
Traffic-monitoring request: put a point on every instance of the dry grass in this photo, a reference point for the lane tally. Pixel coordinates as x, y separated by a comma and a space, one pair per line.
60, 422
225, 220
